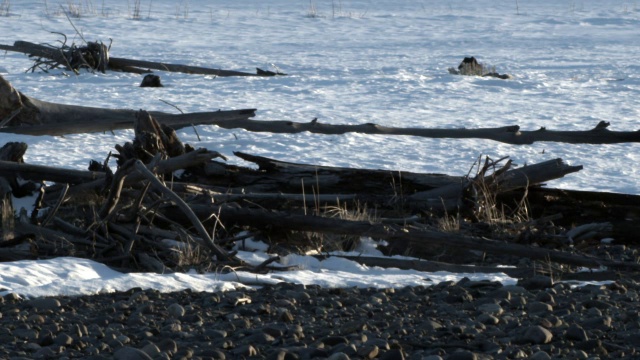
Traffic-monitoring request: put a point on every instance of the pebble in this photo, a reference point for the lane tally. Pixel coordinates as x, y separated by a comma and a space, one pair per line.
576, 332
537, 335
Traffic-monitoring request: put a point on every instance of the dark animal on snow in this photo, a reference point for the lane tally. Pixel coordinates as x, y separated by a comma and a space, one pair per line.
151, 80
468, 61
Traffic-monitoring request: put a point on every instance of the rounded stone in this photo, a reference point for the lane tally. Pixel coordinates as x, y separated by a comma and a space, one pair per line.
537, 335
176, 310
576, 332
540, 355
538, 307
129, 353
491, 309
462, 355
45, 303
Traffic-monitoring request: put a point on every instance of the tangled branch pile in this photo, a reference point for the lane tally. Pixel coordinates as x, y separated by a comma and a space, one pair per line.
144, 217
92, 56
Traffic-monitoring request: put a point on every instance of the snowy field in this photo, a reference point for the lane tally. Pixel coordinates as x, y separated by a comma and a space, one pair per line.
573, 64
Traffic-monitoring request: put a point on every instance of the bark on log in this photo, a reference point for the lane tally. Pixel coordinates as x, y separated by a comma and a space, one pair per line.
35, 117
123, 64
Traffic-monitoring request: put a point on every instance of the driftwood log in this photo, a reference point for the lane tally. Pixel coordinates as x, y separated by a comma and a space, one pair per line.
400, 236
64, 57
22, 114
506, 134
25, 115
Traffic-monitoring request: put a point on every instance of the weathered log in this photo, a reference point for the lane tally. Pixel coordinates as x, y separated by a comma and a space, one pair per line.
193, 158
220, 195
583, 207
281, 176
398, 236
35, 50
122, 64
52, 236
436, 192
48, 173
37, 117
58, 55
45, 118
506, 134
451, 196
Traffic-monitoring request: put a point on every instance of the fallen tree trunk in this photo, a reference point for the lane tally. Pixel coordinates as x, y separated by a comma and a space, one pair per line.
58, 55
506, 134
24, 115
433, 192
121, 63
277, 175
47, 173
21, 114
436, 192
398, 236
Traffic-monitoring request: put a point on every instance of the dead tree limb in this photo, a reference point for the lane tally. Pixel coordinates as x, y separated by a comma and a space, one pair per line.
506, 134
58, 56
148, 175
121, 63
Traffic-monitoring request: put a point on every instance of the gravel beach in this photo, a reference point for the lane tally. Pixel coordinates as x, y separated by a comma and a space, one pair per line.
466, 320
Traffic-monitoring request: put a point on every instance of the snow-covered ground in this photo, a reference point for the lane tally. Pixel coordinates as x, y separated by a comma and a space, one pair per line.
349, 61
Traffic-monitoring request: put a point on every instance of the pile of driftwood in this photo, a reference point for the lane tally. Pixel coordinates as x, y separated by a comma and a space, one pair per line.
143, 217
94, 56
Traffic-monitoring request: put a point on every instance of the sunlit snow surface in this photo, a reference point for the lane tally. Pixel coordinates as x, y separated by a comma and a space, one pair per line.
573, 64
